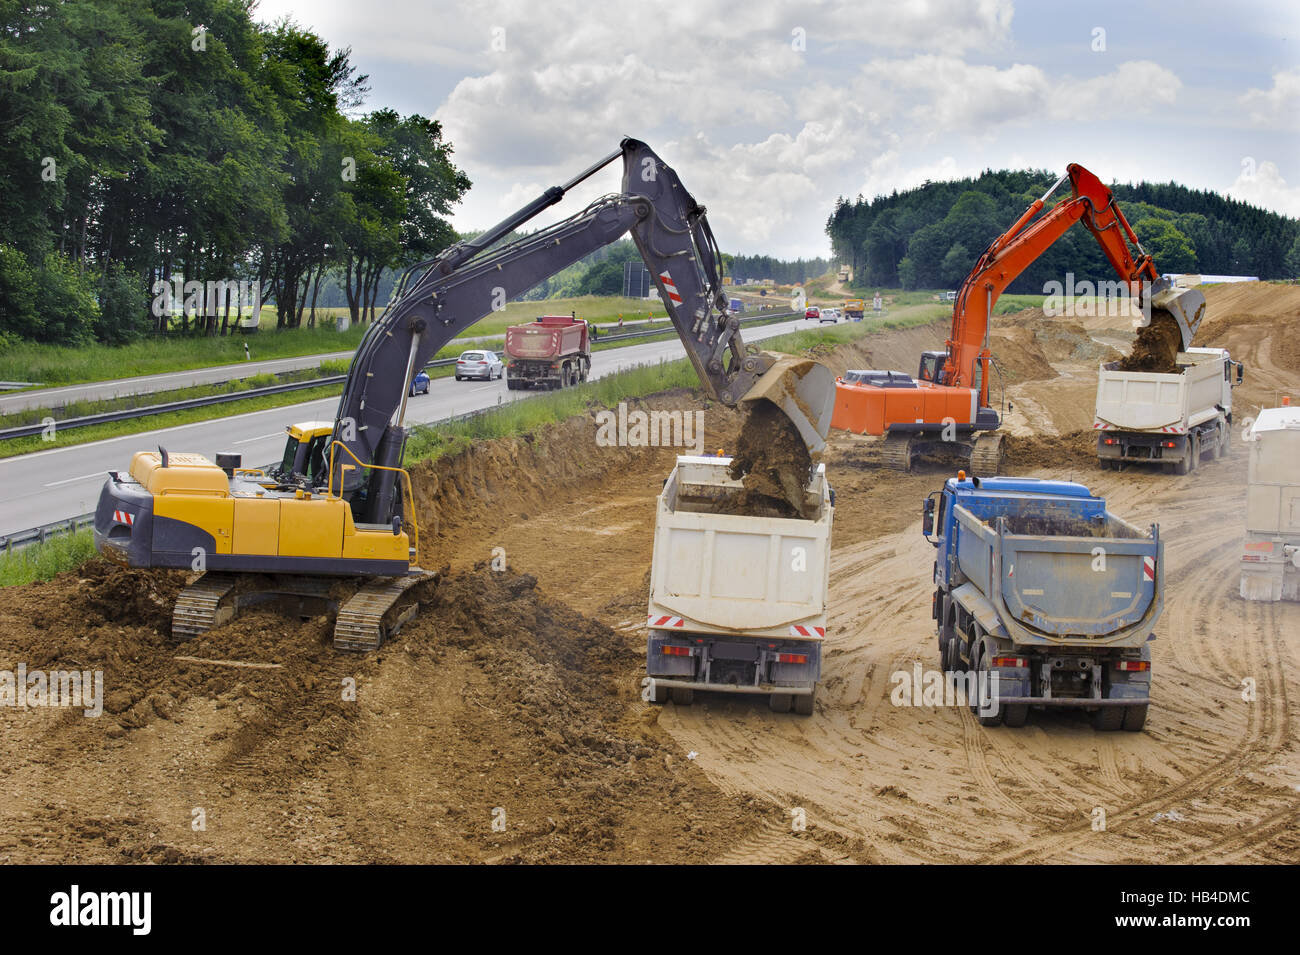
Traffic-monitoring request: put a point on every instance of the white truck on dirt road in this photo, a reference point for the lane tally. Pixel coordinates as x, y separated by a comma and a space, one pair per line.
1172, 420
1270, 560
737, 598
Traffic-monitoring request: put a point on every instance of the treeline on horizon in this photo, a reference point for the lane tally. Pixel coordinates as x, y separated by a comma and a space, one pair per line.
931, 236
165, 138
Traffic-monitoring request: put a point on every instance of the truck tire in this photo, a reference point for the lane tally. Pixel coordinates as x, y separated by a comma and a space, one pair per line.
659, 694
779, 702
1016, 714
1135, 717
1216, 444
1184, 464
1107, 719
683, 695
805, 704
980, 668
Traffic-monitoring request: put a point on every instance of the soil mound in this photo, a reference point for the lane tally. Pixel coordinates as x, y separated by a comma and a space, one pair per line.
1156, 347
772, 461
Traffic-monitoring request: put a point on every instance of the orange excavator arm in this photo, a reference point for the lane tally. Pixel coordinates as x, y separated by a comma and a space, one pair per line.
1013, 251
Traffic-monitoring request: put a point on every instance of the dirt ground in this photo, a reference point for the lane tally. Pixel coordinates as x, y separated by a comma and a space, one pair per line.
515, 695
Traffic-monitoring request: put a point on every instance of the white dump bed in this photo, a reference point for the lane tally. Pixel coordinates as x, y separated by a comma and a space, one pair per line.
735, 573
1168, 403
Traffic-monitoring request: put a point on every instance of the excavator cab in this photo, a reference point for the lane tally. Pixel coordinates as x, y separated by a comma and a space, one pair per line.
306, 452
931, 366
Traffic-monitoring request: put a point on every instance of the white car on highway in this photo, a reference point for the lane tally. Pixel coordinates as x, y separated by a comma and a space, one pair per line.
479, 364
831, 315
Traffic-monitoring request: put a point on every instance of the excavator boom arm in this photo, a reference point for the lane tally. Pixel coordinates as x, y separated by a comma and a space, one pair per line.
441, 297
1017, 248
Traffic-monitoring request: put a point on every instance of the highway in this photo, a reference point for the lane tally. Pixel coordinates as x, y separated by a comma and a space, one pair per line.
60, 483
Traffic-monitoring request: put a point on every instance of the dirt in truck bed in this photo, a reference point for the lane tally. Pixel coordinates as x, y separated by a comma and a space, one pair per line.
519, 690
1156, 347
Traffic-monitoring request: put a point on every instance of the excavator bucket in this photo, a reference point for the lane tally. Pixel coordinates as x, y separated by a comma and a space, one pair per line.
1185, 306
804, 390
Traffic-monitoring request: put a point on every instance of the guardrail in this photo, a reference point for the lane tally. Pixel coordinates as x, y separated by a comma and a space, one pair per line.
107, 417
38, 535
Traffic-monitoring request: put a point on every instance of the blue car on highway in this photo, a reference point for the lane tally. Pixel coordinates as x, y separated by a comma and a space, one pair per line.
420, 386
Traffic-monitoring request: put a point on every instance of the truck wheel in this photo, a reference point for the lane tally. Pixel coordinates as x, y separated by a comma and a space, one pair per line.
779, 702
1016, 714
683, 695
1196, 453
1107, 719
976, 704
659, 694
805, 704
1184, 464
1135, 717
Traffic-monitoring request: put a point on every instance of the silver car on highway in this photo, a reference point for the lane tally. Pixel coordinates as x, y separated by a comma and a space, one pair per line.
479, 364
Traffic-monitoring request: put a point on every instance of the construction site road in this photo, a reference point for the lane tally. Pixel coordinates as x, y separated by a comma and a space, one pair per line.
53, 485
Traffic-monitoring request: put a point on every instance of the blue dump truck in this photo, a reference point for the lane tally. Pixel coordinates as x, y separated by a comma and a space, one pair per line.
1043, 598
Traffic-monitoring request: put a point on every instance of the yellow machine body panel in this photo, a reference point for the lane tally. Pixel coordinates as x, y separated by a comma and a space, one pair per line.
311, 527
257, 525
202, 510
185, 474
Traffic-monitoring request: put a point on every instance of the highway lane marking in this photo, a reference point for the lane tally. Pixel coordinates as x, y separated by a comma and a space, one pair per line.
100, 473
265, 437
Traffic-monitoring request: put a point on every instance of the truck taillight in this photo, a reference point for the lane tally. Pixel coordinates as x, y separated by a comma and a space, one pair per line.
792, 658
1009, 662
1170, 444
1109, 441
671, 651
1133, 666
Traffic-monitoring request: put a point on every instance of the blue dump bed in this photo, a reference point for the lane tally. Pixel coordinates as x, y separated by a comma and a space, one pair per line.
1048, 563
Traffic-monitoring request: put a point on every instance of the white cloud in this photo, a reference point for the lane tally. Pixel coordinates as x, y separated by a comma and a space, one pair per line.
1277, 106
1265, 187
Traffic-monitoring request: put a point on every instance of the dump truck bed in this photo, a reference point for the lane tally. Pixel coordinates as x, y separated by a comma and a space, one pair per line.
722, 572
1167, 403
1052, 572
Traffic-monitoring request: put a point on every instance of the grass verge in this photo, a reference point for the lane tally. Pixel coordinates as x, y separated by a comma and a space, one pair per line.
43, 561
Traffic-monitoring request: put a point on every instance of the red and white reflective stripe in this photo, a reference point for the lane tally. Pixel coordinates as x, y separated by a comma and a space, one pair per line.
1148, 568
124, 517
670, 286
796, 630
1100, 425
661, 623
1011, 570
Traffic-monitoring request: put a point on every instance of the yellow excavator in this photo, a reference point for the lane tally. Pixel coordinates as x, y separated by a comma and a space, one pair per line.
338, 504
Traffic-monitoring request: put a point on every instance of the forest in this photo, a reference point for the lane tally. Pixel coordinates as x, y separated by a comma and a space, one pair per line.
157, 139
931, 236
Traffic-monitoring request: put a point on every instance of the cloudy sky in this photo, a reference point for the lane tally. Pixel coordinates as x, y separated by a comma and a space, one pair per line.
770, 110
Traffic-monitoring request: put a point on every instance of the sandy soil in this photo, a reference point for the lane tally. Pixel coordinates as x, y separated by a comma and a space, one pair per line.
519, 690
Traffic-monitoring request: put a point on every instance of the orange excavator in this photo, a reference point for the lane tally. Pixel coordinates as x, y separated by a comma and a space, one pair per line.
946, 406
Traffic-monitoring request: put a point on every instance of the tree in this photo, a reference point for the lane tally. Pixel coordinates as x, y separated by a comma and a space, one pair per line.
1292, 260
1168, 247
956, 265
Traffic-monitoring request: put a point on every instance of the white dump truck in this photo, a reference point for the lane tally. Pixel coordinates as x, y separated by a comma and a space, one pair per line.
737, 598
1270, 560
1172, 420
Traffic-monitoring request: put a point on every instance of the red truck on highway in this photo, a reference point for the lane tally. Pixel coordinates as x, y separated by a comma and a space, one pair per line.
553, 352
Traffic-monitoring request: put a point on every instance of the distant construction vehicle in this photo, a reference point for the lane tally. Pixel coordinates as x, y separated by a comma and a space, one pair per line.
844, 273
737, 599
1270, 560
1045, 598
947, 405
339, 504
1167, 419
552, 352
855, 309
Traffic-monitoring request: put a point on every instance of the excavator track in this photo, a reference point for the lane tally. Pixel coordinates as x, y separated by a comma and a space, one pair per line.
986, 455
373, 614
199, 607
896, 452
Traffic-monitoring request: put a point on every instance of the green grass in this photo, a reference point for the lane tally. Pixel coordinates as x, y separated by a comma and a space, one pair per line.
52, 365
43, 561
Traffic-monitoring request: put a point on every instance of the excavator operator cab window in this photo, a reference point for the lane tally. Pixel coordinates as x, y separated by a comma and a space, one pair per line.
290, 455
316, 458
931, 365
